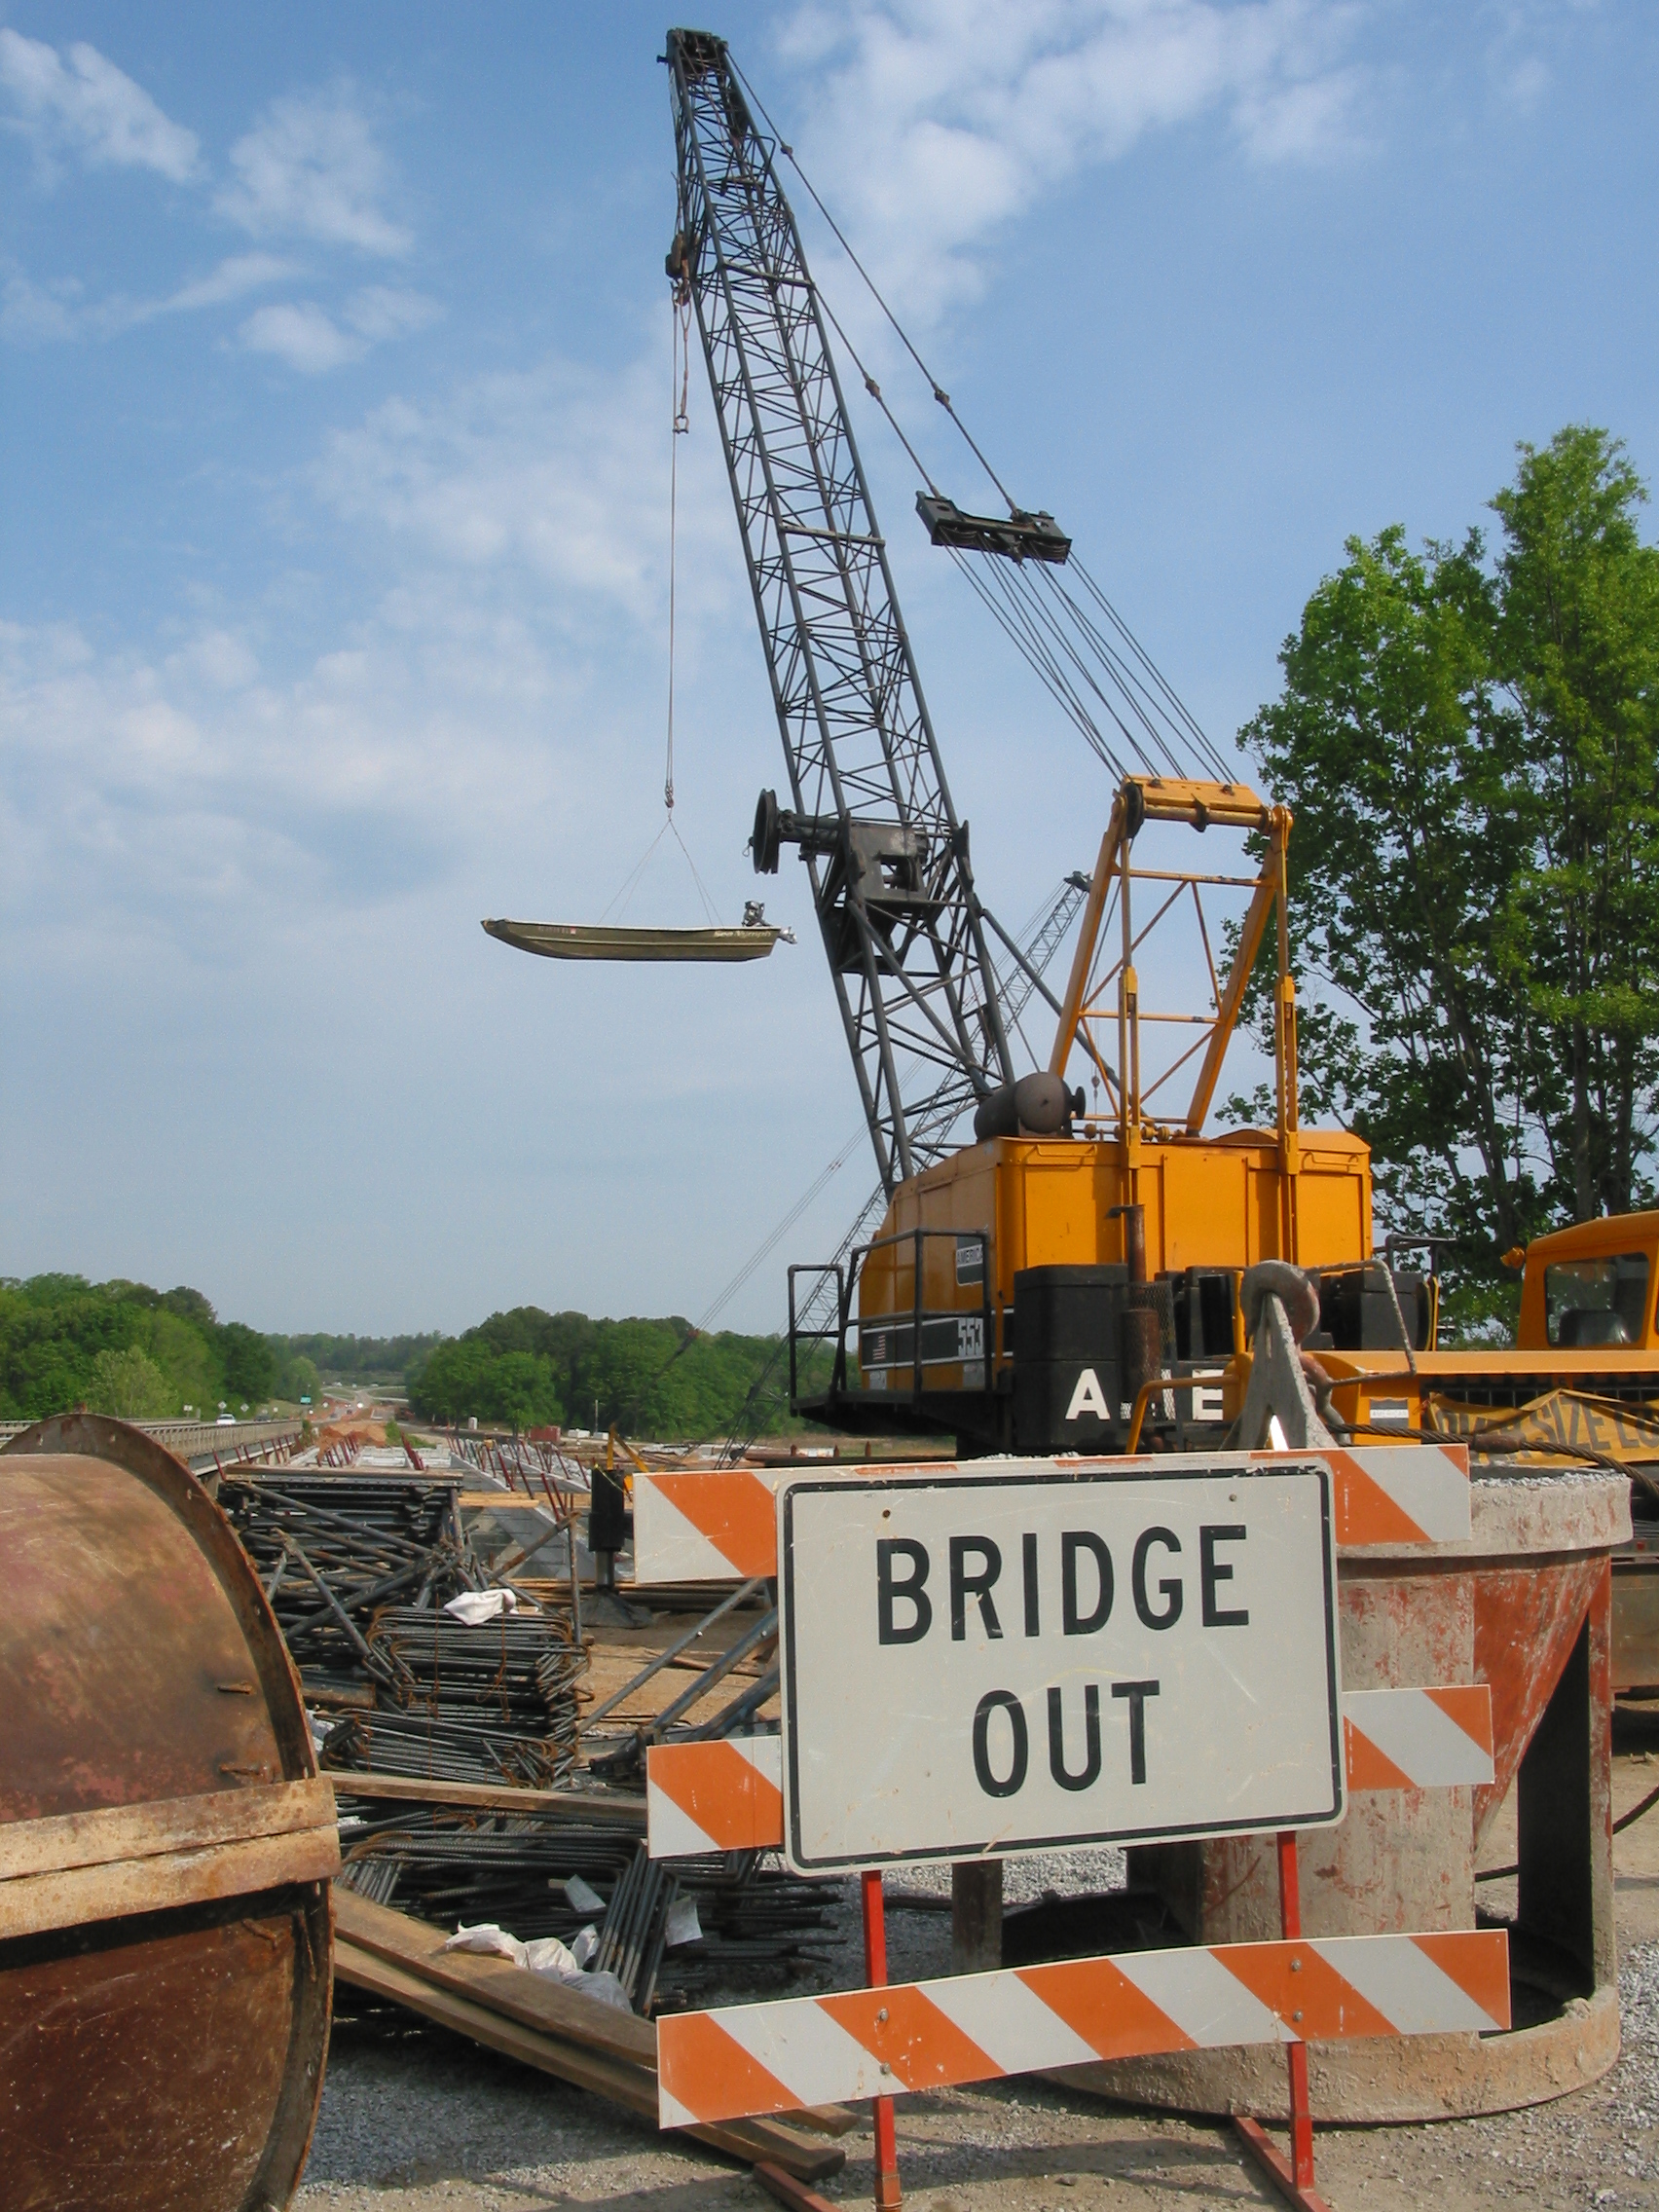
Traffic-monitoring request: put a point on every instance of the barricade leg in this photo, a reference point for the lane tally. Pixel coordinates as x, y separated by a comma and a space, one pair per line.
1293, 2178
888, 2197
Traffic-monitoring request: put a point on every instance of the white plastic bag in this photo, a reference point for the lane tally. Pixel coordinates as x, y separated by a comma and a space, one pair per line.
487, 1936
476, 1606
545, 1956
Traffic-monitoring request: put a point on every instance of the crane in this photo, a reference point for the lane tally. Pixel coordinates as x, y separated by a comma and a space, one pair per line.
869, 810
1119, 1236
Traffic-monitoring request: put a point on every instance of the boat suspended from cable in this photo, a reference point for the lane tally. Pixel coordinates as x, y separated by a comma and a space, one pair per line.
756, 937
582, 940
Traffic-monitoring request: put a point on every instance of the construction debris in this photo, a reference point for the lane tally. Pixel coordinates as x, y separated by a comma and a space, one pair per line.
464, 1703
542, 2023
332, 1550
518, 1869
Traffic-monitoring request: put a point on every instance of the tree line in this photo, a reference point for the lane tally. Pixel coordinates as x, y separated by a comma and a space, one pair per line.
1469, 737
651, 1379
122, 1348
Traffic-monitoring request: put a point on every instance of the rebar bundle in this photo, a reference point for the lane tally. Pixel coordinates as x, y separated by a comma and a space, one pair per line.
492, 1703
447, 1867
332, 1550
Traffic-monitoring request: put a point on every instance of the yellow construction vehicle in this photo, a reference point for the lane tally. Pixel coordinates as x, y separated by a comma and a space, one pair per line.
1022, 1291
1583, 1372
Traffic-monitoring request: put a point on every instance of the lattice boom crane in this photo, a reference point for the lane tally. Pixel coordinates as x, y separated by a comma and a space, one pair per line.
870, 808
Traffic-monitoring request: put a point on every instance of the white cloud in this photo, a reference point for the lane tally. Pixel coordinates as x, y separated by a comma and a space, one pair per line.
236, 275
34, 315
90, 108
309, 338
310, 167
218, 658
385, 310
936, 120
560, 473
1524, 85
300, 333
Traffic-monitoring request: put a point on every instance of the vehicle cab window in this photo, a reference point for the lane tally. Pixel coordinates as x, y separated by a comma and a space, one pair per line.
1600, 1301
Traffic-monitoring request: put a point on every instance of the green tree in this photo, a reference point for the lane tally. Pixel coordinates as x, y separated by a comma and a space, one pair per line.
1578, 652
129, 1383
469, 1379
249, 1363
1471, 750
297, 1377
187, 1358
1392, 745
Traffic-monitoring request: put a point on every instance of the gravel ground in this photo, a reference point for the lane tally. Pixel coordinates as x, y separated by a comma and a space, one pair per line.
417, 2121
420, 2122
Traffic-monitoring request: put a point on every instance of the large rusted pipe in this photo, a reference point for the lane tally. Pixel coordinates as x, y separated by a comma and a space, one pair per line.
165, 1844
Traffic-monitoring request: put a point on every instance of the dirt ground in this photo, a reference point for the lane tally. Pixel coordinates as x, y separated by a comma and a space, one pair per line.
414, 2121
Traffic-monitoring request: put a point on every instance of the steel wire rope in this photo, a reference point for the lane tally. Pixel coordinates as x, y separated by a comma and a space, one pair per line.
939, 393
1176, 705
1185, 727
1016, 628
1173, 710
680, 425
1154, 738
1020, 593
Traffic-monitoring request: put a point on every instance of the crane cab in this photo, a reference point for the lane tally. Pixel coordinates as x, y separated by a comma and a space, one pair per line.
1023, 1292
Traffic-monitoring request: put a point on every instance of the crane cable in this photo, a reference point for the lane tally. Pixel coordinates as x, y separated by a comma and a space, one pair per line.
937, 389
1150, 697
679, 416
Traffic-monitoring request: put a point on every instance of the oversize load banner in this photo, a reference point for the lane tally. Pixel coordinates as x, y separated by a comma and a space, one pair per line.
1007, 1663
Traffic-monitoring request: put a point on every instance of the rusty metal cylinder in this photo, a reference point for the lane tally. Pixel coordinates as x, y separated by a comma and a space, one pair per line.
165, 1844
1524, 1605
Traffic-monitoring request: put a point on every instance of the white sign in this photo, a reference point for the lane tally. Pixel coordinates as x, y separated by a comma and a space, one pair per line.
1012, 1662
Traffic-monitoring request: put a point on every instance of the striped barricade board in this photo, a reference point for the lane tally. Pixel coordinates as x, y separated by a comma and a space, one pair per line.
729, 1797
712, 1525
781, 2056
1148, 1628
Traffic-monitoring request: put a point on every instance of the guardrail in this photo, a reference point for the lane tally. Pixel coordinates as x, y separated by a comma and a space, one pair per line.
196, 1439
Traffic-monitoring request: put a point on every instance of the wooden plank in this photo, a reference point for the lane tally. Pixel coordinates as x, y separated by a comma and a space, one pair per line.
531, 1999
106, 1833
417, 1947
624, 2079
515, 1500
629, 2085
611, 1810
77, 1895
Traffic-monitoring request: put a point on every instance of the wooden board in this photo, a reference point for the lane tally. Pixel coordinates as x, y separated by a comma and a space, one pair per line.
543, 2024
531, 1999
77, 1895
611, 1810
109, 1832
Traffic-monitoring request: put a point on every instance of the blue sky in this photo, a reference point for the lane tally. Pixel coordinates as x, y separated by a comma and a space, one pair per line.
335, 422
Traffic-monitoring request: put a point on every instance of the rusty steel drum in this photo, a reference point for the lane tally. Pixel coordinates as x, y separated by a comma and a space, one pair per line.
1526, 1607
165, 1844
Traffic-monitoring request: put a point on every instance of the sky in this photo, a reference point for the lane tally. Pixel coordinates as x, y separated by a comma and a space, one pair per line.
334, 556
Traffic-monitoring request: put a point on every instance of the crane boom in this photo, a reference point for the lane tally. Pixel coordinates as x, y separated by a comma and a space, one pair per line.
870, 810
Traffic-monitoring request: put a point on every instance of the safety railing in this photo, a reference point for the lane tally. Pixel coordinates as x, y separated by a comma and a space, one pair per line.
939, 1336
